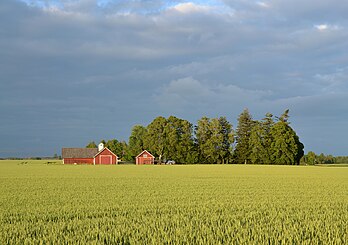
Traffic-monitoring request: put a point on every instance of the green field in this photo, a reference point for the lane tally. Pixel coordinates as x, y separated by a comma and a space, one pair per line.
202, 204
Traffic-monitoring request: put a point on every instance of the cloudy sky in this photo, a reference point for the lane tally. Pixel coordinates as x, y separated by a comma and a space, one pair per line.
72, 71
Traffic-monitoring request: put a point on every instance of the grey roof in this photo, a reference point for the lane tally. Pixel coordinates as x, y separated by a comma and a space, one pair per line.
79, 152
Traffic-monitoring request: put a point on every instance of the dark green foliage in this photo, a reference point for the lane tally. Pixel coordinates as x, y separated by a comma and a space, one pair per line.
341, 159
300, 149
311, 158
214, 140
155, 139
172, 139
275, 143
114, 146
179, 144
91, 144
329, 159
260, 140
136, 140
286, 147
203, 134
125, 156
227, 139
243, 149
259, 150
119, 148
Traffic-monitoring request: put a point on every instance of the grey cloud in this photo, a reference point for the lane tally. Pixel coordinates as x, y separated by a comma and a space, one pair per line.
207, 98
296, 10
85, 72
322, 10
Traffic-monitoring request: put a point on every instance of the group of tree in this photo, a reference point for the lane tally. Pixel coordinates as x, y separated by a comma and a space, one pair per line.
341, 159
120, 148
213, 140
269, 141
311, 159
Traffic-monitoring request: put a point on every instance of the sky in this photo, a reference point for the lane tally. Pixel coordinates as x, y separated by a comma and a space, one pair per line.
73, 71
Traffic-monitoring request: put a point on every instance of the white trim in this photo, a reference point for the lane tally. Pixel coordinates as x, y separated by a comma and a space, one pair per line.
103, 150
147, 153
150, 156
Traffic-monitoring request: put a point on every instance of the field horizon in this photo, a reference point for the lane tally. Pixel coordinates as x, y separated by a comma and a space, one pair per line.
214, 204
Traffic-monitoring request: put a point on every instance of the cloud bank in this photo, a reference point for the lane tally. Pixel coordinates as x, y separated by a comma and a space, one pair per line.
82, 70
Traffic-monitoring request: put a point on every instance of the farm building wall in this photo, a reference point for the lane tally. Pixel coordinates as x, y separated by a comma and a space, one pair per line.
105, 157
145, 158
78, 161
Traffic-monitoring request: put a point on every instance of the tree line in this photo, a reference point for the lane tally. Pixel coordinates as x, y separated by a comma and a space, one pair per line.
270, 140
311, 159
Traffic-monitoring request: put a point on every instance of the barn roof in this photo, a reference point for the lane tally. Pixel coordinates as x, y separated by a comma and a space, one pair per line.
145, 151
79, 152
107, 149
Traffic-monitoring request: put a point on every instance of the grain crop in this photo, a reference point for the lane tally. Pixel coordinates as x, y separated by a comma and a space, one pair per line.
53, 203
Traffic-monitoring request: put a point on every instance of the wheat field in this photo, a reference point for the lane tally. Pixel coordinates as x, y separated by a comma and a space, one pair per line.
49, 203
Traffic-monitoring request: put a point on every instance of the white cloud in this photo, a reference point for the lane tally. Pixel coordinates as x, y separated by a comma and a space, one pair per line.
321, 27
263, 4
190, 7
325, 27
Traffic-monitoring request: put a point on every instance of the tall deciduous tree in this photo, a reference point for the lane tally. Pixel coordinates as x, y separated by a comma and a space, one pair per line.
155, 137
203, 134
311, 158
214, 139
243, 132
179, 141
136, 140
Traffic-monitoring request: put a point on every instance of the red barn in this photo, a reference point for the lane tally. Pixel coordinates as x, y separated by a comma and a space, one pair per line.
105, 156
79, 155
145, 158
88, 156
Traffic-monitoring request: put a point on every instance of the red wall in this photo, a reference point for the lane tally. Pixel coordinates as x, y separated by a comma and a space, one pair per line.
106, 157
145, 160
78, 160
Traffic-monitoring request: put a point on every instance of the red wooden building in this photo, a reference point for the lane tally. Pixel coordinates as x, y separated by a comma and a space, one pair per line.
145, 158
94, 156
105, 156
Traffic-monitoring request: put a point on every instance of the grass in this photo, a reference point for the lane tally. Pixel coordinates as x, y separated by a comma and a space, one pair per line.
202, 204
333, 165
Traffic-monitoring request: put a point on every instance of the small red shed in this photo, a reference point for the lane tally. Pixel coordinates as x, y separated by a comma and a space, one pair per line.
94, 156
145, 158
